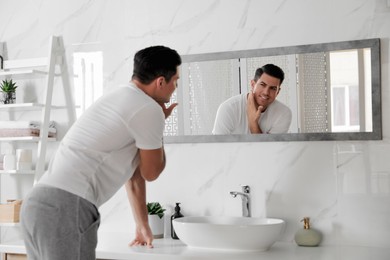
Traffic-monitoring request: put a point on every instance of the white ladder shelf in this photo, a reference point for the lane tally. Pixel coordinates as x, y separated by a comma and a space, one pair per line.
54, 65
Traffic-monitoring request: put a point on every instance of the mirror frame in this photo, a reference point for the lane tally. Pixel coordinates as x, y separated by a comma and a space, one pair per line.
376, 134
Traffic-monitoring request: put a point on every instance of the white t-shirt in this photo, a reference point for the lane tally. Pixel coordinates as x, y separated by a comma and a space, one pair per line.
100, 151
232, 118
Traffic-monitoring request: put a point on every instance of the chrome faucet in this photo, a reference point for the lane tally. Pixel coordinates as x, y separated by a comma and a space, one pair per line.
245, 197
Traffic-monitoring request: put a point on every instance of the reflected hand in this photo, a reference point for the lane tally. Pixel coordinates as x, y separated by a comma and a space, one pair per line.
143, 237
168, 110
253, 113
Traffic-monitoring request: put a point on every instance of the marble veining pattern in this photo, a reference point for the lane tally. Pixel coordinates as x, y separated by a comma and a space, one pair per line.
343, 186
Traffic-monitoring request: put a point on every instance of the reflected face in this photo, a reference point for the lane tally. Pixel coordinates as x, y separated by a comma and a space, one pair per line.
265, 90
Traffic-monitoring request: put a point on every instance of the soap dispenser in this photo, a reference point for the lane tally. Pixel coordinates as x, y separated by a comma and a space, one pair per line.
177, 214
307, 236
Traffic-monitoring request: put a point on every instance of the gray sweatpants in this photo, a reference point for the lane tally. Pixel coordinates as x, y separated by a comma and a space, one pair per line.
58, 225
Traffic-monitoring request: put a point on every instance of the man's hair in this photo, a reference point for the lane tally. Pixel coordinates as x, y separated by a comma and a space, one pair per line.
155, 61
271, 70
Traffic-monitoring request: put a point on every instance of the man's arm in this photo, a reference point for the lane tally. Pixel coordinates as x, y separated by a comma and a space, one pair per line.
152, 163
253, 115
136, 193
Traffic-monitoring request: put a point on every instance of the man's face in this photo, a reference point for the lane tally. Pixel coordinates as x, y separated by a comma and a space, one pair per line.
170, 87
265, 90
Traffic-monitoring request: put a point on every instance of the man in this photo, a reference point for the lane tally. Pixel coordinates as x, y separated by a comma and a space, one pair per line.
257, 112
117, 141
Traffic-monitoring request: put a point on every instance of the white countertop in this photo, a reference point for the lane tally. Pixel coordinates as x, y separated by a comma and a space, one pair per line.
115, 246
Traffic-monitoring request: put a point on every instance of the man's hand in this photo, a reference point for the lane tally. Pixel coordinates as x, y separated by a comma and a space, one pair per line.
143, 237
168, 110
253, 113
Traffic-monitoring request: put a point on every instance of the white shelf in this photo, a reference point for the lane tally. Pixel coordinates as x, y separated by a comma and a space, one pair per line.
17, 172
26, 107
21, 106
24, 72
25, 139
11, 224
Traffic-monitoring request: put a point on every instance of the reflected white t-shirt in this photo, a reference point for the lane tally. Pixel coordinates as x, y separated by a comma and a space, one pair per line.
232, 118
100, 151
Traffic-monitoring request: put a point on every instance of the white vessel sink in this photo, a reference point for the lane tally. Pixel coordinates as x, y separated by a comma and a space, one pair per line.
229, 233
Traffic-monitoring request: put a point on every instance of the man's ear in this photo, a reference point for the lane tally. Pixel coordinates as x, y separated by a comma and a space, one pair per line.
160, 80
253, 83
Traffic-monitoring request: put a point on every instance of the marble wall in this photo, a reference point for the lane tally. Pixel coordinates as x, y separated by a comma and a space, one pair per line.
343, 186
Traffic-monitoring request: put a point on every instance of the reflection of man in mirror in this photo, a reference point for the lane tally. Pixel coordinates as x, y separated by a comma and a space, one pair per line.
257, 112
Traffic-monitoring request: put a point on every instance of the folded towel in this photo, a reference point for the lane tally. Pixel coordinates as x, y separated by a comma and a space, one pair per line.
23, 124
25, 132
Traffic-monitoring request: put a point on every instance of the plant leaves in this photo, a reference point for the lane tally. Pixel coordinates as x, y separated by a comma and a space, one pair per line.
154, 208
8, 86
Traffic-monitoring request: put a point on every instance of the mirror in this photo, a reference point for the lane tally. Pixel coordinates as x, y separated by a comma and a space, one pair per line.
333, 90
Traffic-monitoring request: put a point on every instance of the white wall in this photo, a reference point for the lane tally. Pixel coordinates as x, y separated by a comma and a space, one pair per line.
343, 186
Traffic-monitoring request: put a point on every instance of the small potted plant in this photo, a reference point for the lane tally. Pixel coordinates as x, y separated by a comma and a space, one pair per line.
156, 219
8, 87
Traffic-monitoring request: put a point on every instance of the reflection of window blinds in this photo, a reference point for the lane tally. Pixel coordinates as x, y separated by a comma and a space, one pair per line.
203, 86
206, 80
312, 80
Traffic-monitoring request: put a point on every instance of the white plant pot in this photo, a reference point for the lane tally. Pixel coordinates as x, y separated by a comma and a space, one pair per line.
156, 225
